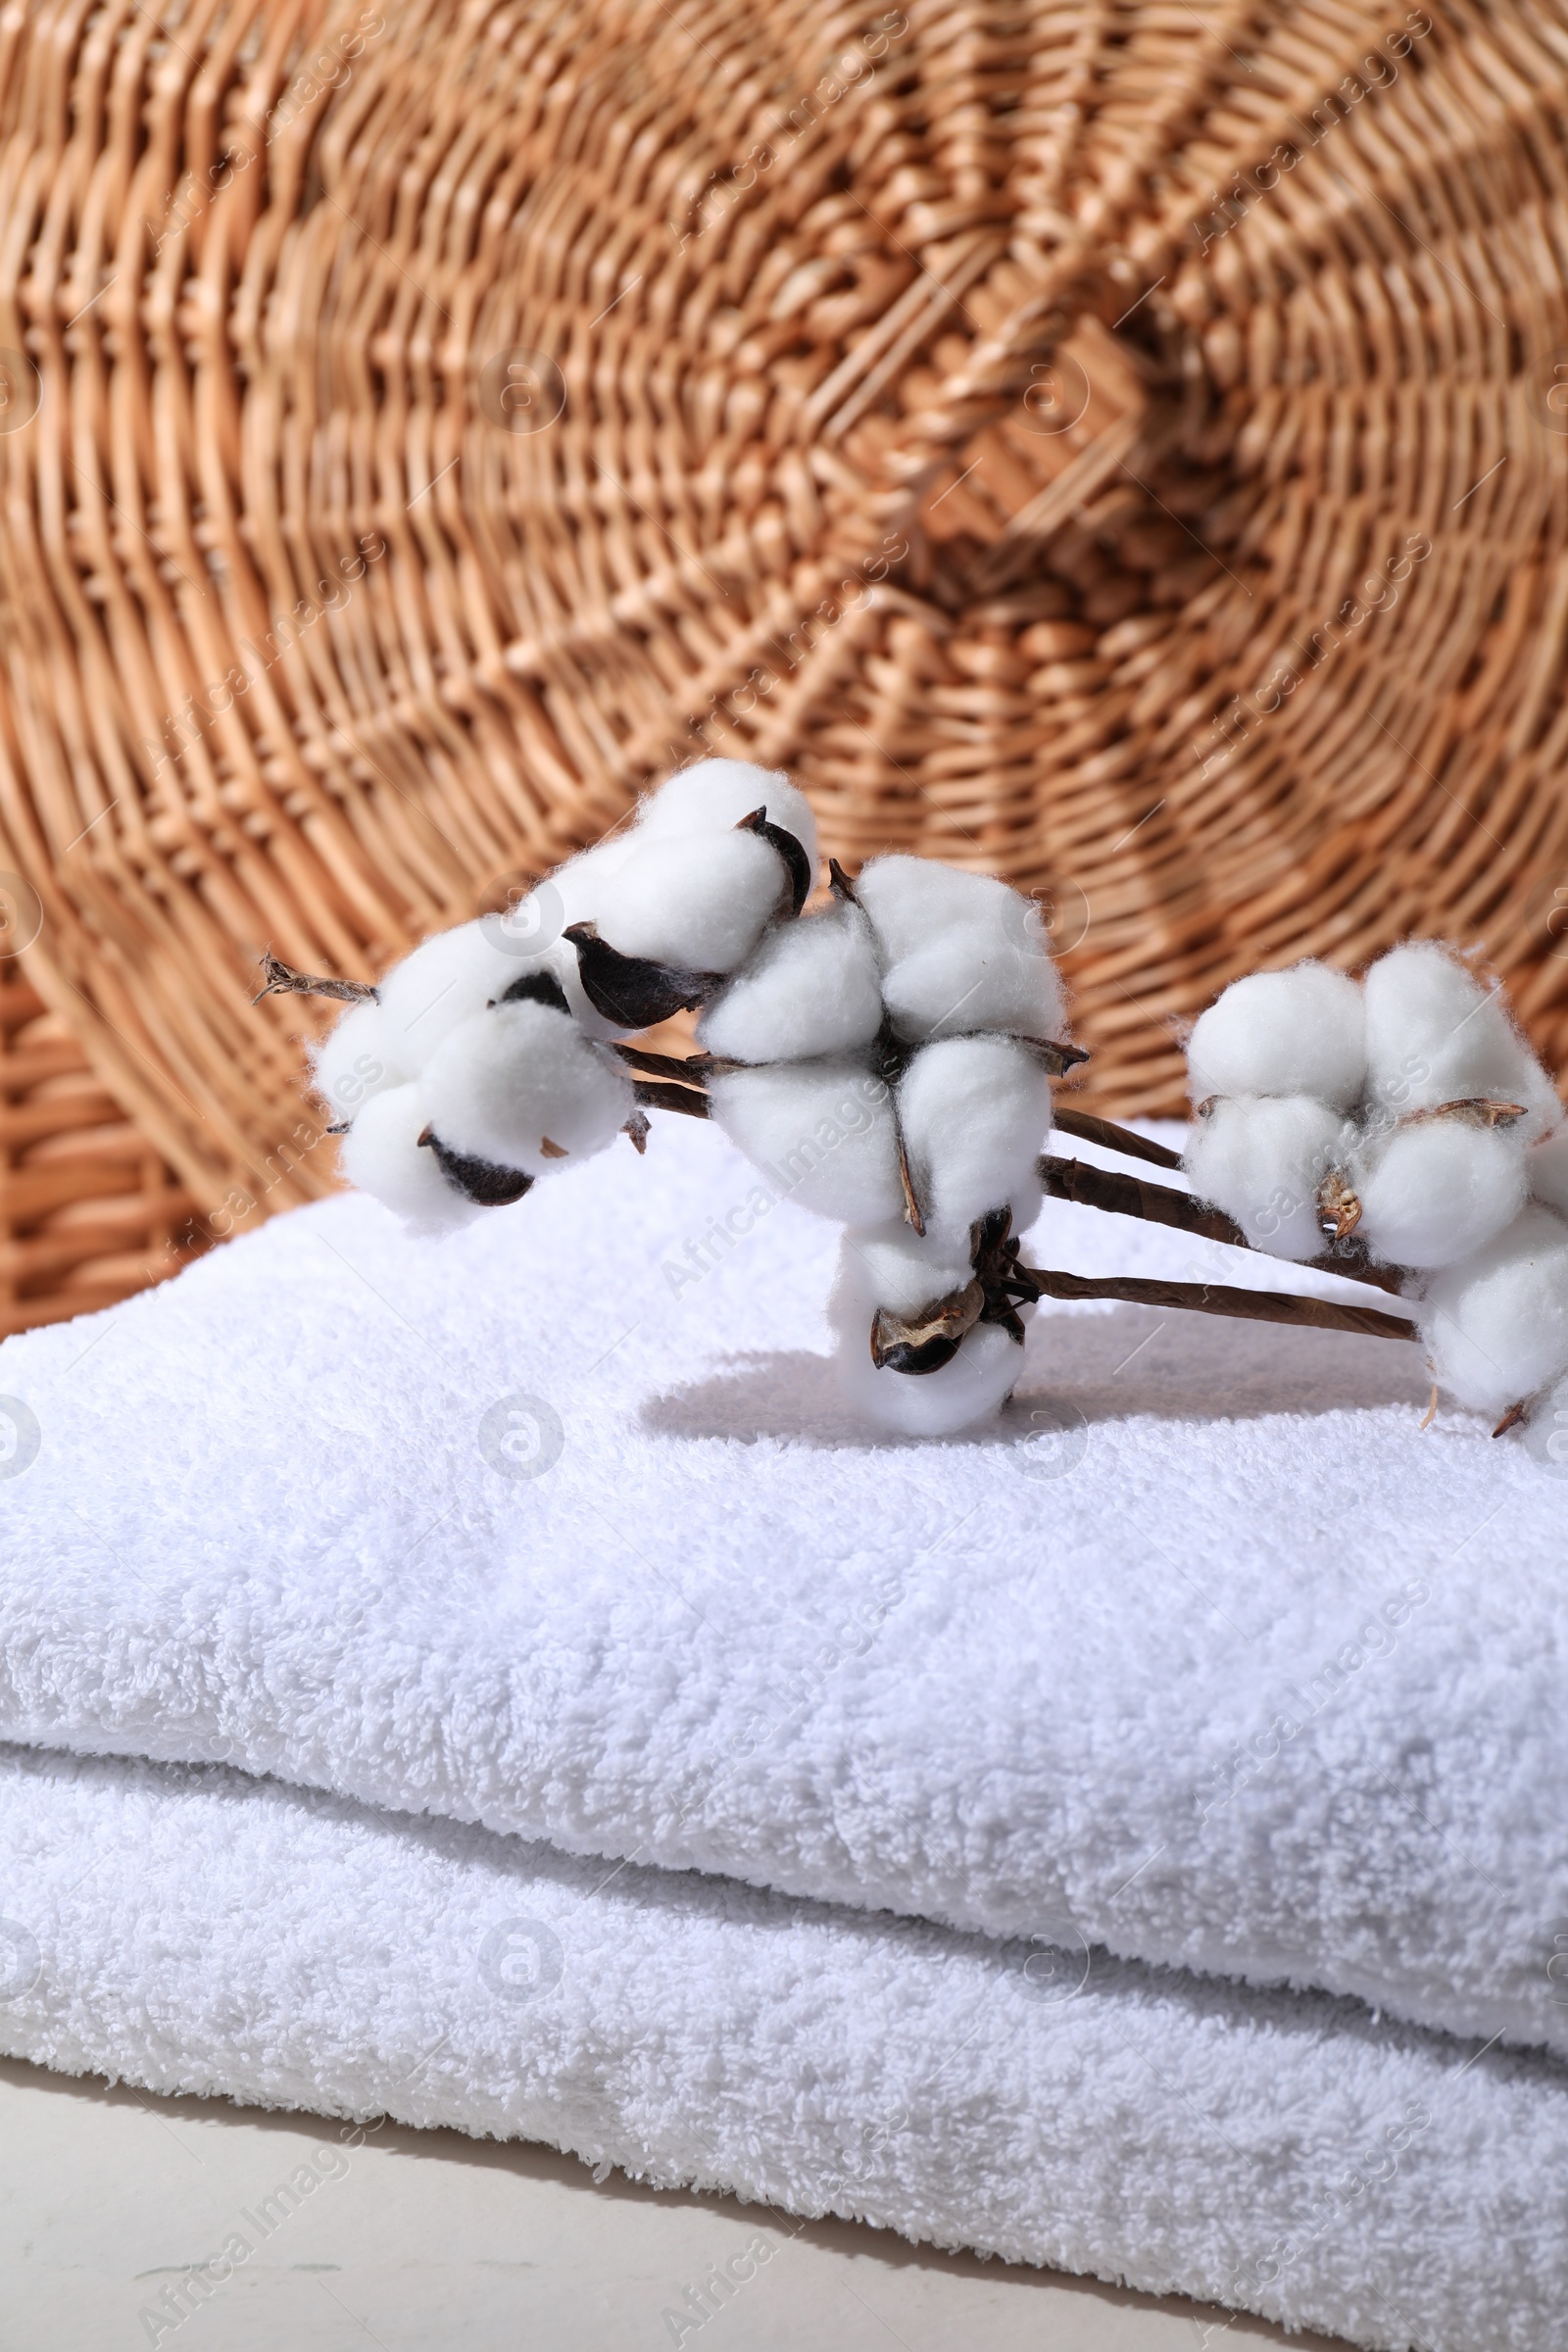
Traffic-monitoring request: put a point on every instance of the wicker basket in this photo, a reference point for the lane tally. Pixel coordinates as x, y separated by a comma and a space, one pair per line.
90, 1212
1120, 445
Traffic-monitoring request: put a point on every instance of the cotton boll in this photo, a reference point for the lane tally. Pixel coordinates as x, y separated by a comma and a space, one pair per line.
1026, 1203
699, 903
381, 1154
1434, 1034
352, 1062
1438, 1191
976, 1112
520, 1077
960, 952
812, 988
905, 1271
444, 982
910, 900
973, 977
528, 935
973, 1386
716, 794
1547, 1171
577, 884
821, 1130
1300, 1032
896, 1268
1262, 1159
1496, 1325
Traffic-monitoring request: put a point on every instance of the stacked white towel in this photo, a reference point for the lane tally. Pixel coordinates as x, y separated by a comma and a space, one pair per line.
202, 1931
1210, 1655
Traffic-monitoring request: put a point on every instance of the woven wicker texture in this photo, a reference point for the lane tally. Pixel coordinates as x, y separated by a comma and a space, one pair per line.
89, 1211
1119, 444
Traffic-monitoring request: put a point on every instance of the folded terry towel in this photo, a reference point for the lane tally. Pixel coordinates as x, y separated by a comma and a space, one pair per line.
1208, 1653
196, 1931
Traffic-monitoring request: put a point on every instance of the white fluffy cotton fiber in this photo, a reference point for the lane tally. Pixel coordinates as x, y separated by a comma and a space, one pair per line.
570, 895
519, 1077
975, 1113
1299, 1032
903, 1270
1438, 1191
812, 988
714, 795
971, 978
446, 980
959, 953
1434, 1034
382, 1156
970, 1388
696, 902
578, 883
822, 1131
910, 899
354, 1061
1262, 1159
1496, 1325
1547, 1171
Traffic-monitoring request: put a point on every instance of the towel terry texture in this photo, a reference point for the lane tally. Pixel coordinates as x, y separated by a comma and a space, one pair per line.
195, 1930
1207, 1652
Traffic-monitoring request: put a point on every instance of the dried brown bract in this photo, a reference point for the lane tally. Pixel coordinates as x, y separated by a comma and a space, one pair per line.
280, 979
632, 991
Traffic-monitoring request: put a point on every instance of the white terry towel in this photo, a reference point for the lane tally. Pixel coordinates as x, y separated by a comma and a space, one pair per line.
1209, 1649
198, 1931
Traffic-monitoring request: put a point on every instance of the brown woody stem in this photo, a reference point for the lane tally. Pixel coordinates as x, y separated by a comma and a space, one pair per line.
1160, 1205
686, 1069
1090, 1130
1215, 1299
653, 1095
1123, 1196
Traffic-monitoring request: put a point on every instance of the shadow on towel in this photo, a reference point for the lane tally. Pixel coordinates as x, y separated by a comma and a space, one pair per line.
1104, 1366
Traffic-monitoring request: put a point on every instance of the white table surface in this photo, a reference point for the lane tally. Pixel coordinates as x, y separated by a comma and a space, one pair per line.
425, 2238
